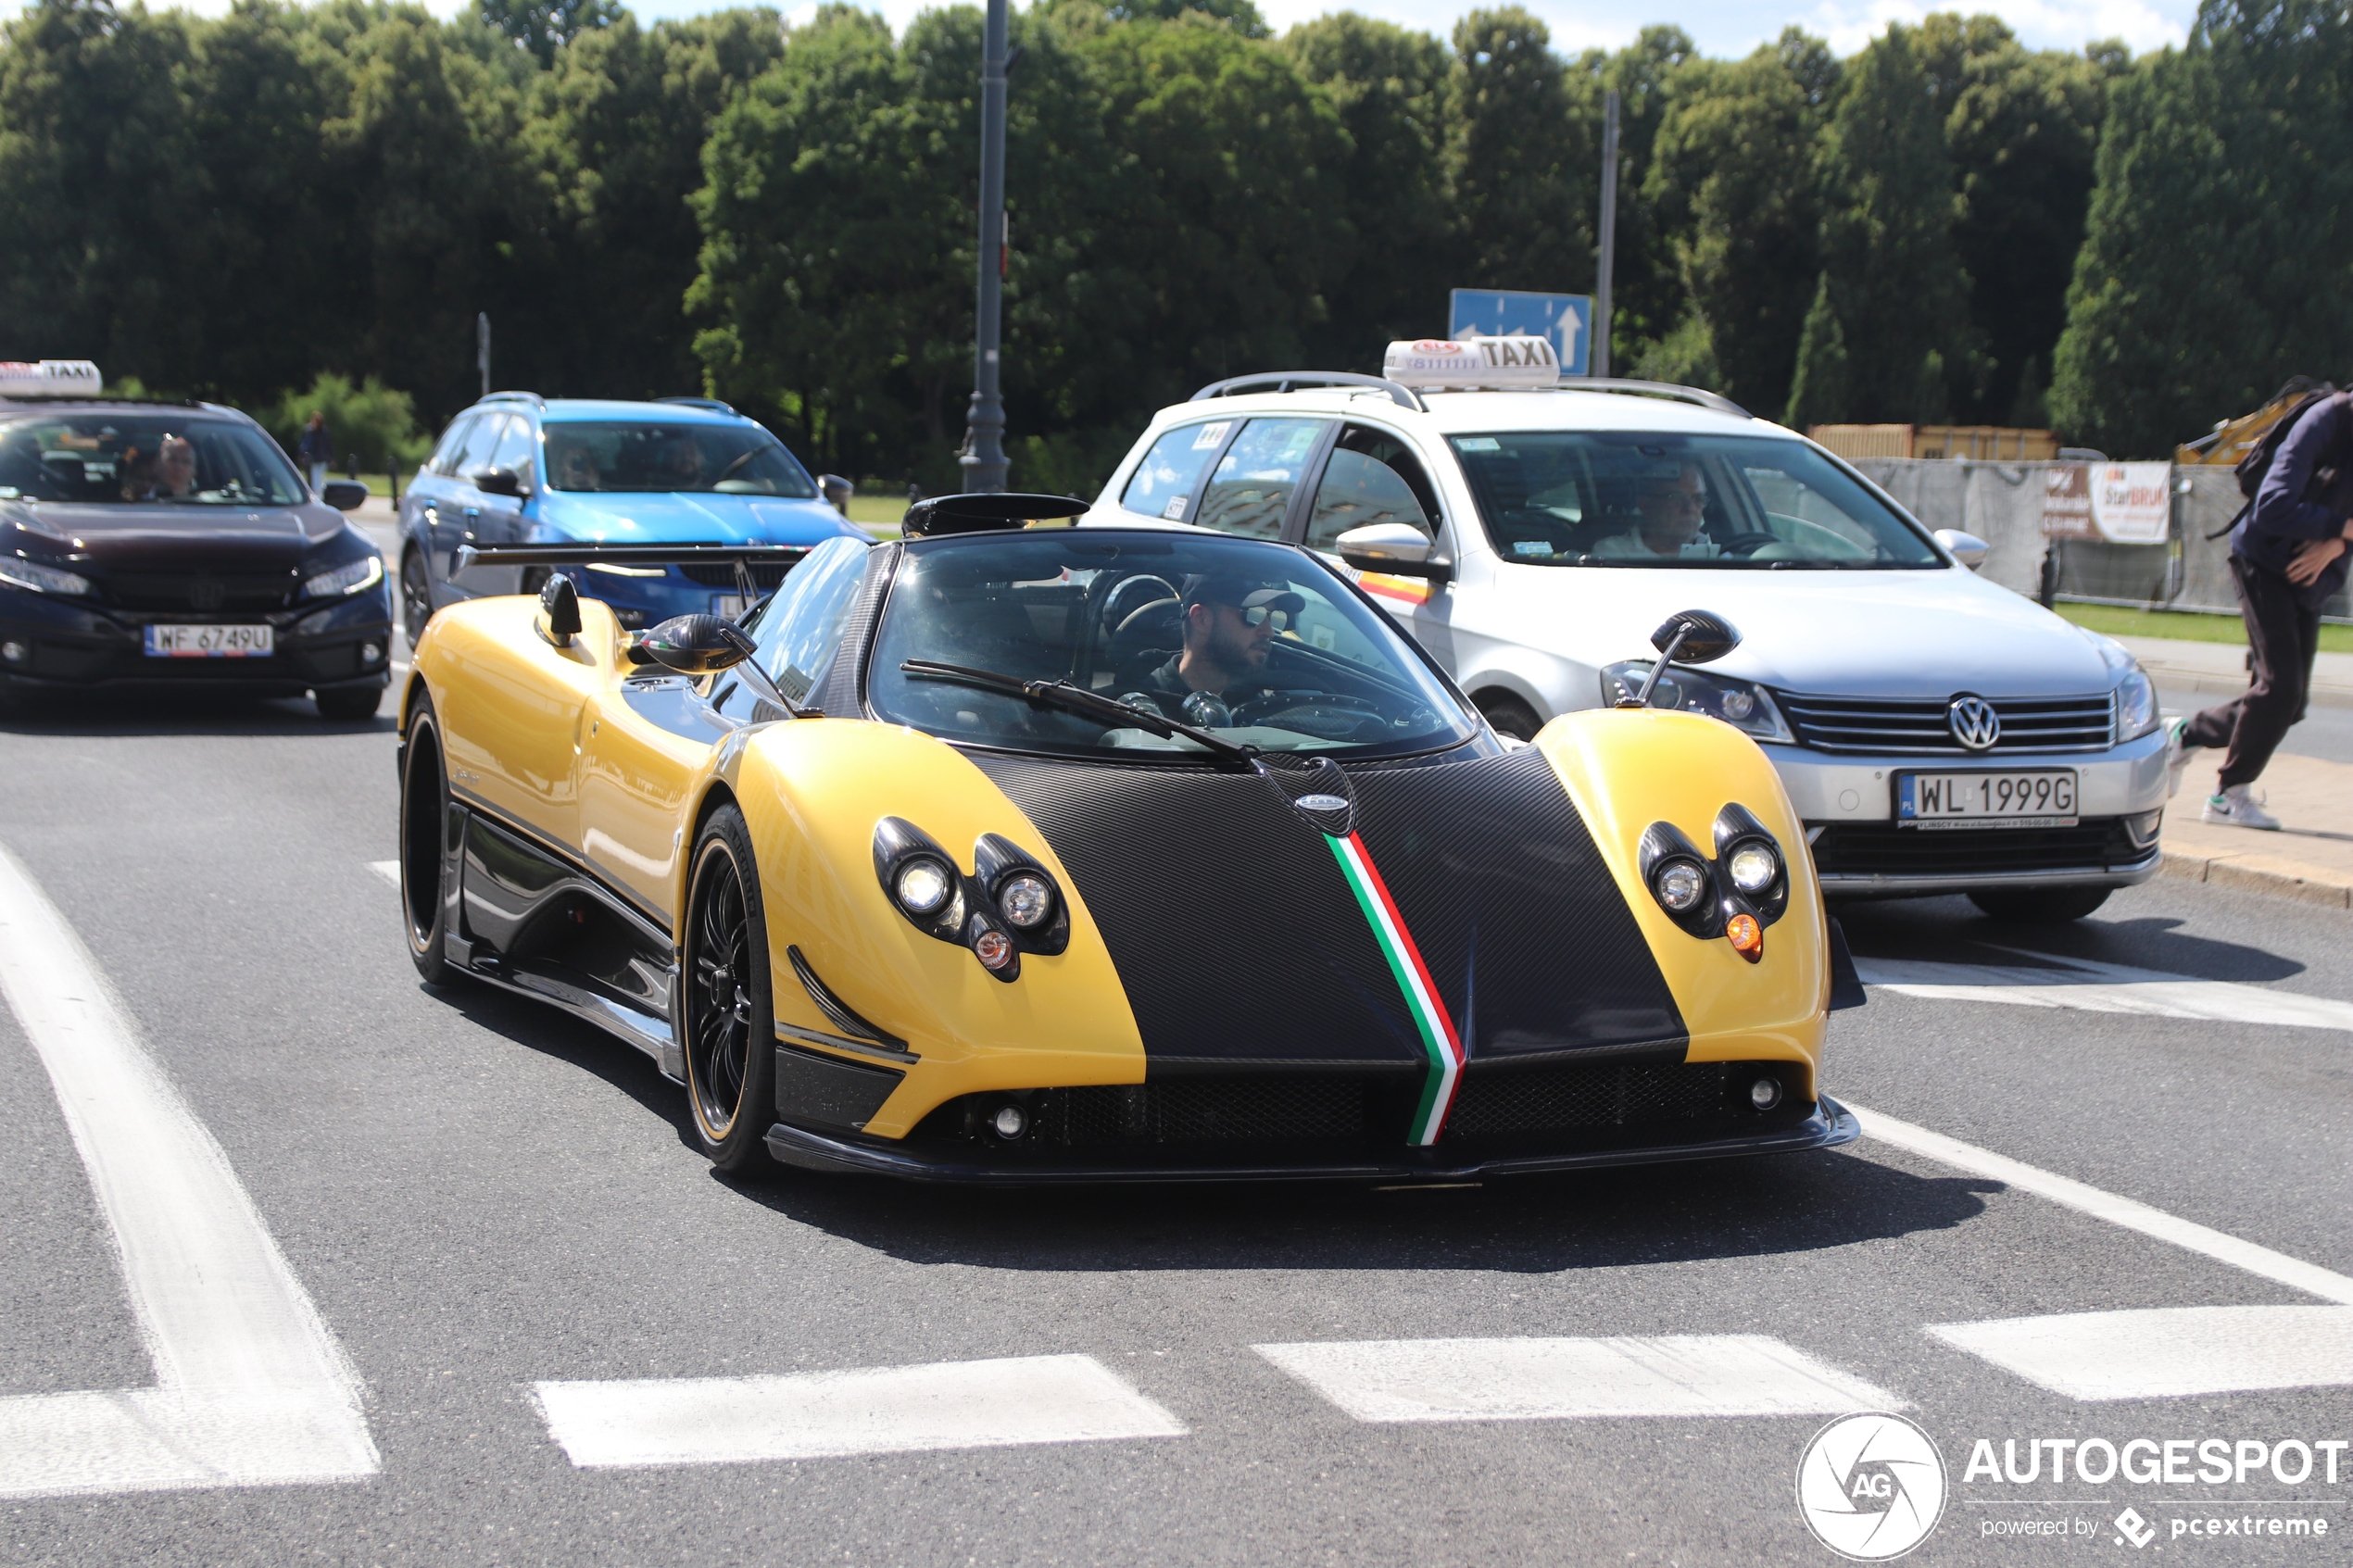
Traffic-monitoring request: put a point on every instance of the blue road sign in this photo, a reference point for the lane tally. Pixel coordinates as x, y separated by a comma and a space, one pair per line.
1566, 319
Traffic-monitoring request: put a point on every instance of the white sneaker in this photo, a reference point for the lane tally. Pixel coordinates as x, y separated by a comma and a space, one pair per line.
2236, 808
2177, 755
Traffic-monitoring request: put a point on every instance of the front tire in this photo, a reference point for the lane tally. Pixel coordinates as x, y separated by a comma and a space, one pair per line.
727, 1010
347, 703
416, 595
1509, 715
425, 817
2031, 906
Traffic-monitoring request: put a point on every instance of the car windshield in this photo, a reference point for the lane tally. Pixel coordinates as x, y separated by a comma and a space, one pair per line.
1258, 641
1620, 498
643, 455
124, 458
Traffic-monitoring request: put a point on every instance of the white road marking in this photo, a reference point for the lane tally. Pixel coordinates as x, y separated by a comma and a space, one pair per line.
2279, 1267
2089, 986
817, 1415
2166, 1352
388, 870
251, 1388
1679, 1375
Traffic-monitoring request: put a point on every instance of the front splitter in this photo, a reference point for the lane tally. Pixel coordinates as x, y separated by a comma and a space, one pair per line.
1830, 1124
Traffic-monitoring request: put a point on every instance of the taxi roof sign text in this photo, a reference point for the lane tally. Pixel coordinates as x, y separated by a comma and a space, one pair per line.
1510, 361
50, 378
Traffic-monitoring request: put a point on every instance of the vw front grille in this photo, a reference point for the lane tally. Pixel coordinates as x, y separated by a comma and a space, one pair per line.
1880, 726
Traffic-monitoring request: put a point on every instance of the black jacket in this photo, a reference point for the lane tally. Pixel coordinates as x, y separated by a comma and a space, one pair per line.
2307, 495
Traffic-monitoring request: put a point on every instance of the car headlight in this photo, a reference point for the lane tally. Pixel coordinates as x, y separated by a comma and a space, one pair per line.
1746, 706
1026, 900
19, 572
1680, 884
2136, 713
923, 887
1753, 866
363, 574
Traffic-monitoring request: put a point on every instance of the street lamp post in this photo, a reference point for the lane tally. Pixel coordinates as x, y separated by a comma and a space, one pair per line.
984, 455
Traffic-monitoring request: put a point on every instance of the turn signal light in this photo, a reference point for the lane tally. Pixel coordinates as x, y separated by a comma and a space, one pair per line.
1746, 936
993, 948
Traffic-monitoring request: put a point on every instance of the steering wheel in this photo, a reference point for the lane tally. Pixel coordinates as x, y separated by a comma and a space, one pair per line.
1747, 543
1326, 715
1130, 595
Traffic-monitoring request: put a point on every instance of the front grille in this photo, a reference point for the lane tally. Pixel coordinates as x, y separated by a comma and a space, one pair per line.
1195, 1110
198, 591
767, 574
1884, 849
1882, 726
1560, 1096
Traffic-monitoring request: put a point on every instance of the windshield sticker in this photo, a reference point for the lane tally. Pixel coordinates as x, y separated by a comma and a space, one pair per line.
1479, 444
1175, 510
1212, 434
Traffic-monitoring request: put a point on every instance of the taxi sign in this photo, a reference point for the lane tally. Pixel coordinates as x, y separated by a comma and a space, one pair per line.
50, 378
1479, 361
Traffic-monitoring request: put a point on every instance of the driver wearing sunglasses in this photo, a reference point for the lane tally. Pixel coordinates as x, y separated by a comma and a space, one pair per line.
1228, 624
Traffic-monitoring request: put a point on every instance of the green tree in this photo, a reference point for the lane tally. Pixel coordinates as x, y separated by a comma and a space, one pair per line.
544, 27
2214, 260
1647, 296
375, 426
1822, 392
1894, 280
1524, 164
1388, 85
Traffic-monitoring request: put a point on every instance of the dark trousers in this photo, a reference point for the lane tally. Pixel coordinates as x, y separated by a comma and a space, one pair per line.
2284, 635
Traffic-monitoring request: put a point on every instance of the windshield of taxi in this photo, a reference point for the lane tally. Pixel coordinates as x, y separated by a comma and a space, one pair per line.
118, 459
637, 457
1644, 498
1257, 642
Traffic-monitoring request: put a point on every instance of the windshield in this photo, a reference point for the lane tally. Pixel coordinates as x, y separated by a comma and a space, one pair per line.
124, 458
1616, 498
729, 459
1258, 641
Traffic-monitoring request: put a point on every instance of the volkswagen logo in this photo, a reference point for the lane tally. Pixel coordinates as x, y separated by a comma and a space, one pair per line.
1974, 722
204, 594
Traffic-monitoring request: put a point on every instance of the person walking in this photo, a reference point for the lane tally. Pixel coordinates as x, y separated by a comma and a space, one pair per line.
316, 451
2287, 557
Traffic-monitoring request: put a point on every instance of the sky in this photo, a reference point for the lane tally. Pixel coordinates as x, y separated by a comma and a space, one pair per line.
1722, 28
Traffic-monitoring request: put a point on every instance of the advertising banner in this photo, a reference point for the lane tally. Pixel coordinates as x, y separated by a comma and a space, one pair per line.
2132, 503
2067, 501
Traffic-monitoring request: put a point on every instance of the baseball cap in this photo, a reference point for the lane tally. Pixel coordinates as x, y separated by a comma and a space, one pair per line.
1243, 593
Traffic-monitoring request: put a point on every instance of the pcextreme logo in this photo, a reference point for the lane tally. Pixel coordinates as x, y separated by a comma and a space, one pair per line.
1871, 1486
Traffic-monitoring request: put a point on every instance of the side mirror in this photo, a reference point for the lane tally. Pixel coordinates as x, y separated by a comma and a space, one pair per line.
344, 496
1967, 549
501, 481
697, 644
1396, 548
559, 607
838, 491
1688, 636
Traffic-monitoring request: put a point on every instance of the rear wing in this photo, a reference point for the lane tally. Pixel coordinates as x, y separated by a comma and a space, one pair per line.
586, 553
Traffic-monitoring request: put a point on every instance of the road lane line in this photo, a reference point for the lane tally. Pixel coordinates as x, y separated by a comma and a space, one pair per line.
2083, 985
2279, 1267
251, 1387
1537, 1379
388, 870
984, 1404
2166, 1352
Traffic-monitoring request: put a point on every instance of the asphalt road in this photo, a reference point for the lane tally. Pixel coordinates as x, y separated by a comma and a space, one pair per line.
478, 1196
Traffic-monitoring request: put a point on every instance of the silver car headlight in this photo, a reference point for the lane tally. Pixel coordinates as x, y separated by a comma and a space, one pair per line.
351, 579
2136, 713
1746, 706
18, 573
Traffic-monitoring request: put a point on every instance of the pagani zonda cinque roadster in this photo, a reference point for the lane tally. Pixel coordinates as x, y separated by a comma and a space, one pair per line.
1033, 854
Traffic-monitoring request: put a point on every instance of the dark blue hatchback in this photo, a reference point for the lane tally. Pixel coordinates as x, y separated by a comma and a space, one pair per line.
516, 469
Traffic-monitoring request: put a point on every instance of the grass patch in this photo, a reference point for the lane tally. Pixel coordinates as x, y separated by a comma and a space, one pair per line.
880, 512
2187, 626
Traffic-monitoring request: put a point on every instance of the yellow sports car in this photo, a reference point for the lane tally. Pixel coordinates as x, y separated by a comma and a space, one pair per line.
1024, 854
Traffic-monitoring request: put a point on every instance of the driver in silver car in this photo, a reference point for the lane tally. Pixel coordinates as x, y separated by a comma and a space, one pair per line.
1229, 623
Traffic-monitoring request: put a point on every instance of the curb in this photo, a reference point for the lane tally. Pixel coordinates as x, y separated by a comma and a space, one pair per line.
2262, 875
2207, 682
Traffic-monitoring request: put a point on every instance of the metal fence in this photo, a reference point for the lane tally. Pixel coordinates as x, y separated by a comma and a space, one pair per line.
2002, 503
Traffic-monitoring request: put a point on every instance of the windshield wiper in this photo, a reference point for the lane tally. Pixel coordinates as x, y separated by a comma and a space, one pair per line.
1075, 699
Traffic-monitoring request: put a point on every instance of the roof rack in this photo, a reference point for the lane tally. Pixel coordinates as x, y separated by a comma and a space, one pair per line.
1713, 401
712, 403
1286, 381
531, 397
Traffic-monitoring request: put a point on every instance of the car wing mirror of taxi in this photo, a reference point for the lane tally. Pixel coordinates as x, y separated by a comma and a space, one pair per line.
344, 494
704, 645
559, 618
1688, 636
502, 482
1396, 548
1967, 549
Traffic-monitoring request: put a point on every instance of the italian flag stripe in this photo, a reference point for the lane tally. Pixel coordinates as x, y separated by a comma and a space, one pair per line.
1440, 1041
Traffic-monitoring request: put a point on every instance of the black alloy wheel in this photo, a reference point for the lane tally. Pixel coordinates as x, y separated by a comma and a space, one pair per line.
425, 817
728, 1008
416, 595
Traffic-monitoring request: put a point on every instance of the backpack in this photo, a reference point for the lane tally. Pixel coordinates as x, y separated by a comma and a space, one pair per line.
2256, 462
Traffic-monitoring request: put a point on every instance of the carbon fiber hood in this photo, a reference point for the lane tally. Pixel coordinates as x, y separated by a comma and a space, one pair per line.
1238, 940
